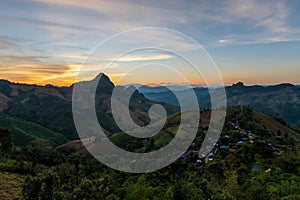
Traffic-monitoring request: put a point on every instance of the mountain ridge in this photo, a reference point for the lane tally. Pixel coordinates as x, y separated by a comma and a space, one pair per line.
51, 107
282, 100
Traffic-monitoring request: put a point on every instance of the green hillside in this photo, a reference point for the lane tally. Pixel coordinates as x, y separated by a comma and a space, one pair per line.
51, 107
264, 127
25, 132
256, 157
276, 126
255, 152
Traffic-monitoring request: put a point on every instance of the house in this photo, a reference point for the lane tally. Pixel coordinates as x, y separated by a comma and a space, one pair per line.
211, 155
183, 157
255, 168
232, 150
225, 148
236, 147
199, 162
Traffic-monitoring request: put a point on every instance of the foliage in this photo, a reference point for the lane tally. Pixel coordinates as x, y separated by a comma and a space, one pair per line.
6, 141
230, 175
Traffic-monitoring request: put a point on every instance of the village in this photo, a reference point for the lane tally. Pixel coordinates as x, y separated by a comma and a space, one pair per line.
224, 144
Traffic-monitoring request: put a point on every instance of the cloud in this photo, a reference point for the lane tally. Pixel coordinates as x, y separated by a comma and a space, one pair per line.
130, 58
50, 39
255, 40
127, 14
258, 21
97, 19
125, 58
261, 18
227, 41
7, 42
34, 69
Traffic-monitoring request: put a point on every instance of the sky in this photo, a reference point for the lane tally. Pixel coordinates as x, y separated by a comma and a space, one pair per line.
51, 41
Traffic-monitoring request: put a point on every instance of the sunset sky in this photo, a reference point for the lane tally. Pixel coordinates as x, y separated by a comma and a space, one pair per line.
46, 41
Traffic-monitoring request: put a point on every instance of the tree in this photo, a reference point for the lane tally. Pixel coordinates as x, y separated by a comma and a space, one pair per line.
50, 186
40, 152
32, 187
6, 142
75, 160
170, 193
43, 186
85, 190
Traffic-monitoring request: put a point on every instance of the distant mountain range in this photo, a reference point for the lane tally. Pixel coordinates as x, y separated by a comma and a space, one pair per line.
45, 112
50, 108
281, 100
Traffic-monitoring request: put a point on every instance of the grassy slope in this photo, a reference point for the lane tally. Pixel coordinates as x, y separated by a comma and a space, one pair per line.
173, 121
165, 135
10, 185
270, 123
273, 125
24, 132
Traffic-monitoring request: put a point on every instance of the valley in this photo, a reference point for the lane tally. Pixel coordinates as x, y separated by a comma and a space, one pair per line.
46, 157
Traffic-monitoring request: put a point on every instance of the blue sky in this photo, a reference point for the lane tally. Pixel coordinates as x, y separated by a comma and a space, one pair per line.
46, 41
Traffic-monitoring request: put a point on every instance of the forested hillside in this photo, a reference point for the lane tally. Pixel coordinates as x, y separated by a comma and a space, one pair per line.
279, 100
49, 109
251, 160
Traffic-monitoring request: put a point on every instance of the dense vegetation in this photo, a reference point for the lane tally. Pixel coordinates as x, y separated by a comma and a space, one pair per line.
265, 166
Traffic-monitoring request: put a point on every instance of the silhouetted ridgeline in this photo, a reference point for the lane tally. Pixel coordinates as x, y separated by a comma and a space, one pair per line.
281, 100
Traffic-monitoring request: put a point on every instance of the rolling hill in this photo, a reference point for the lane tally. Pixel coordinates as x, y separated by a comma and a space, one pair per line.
255, 152
266, 128
25, 132
281, 100
45, 112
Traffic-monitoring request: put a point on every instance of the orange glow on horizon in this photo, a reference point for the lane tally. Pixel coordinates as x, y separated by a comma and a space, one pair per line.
67, 80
